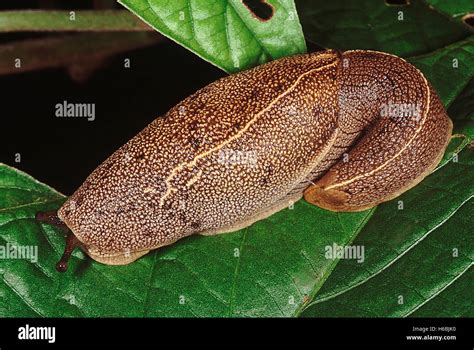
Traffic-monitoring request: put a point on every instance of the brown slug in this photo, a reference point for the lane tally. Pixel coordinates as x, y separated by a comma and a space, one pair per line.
346, 130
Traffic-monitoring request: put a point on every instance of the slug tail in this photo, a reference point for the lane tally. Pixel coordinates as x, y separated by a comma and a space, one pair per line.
404, 136
340, 190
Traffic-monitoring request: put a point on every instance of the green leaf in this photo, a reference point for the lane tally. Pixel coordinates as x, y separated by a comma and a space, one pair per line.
408, 266
463, 110
366, 24
448, 69
453, 301
454, 9
225, 32
271, 268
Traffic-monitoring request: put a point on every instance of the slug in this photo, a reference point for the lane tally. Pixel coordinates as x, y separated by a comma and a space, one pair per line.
346, 130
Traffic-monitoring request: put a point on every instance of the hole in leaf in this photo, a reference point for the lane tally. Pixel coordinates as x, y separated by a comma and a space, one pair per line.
260, 9
469, 19
397, 2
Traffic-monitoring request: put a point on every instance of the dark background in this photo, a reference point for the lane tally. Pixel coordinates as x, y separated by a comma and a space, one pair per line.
62, 152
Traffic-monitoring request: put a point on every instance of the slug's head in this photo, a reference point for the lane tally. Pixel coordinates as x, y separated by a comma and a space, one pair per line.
114, 229
115, 222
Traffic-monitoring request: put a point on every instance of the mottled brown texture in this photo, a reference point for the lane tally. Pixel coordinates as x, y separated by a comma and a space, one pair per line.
247, 145
395, 152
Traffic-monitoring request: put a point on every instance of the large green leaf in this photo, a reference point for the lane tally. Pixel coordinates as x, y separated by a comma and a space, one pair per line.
368, 24
225, 32
454, 9
463, 111
412, 256
271, 268
448, 69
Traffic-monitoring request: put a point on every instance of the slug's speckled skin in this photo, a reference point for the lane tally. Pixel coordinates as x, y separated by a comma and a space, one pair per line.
244, 146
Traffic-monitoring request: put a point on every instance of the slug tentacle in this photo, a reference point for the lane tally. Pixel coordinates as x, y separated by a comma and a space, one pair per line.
71, 243
405, 132
52, 218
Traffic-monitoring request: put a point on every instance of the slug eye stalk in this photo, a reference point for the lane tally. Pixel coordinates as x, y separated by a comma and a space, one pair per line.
51, 217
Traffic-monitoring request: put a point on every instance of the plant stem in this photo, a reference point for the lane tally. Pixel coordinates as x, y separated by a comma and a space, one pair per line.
70, 21
69, 50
